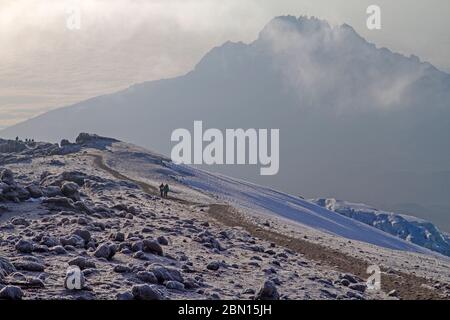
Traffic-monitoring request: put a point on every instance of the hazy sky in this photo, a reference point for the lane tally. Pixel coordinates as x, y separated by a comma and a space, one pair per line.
44, 65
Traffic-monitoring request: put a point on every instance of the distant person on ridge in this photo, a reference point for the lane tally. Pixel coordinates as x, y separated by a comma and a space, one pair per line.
161, 190
166, 190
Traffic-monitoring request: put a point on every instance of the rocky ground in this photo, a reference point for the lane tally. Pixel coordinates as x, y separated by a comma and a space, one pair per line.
77, 205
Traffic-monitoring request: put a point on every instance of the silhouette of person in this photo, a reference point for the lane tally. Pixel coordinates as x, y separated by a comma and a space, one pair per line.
166, 190
161, 190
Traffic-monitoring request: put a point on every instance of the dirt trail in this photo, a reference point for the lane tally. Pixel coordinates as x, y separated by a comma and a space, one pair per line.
408, 286
149, 189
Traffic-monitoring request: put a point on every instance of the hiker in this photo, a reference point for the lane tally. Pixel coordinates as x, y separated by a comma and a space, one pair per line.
161, 190
166, 190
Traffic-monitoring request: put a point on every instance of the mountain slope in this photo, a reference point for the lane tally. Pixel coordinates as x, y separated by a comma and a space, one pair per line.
251, 198
356, 121
418, 231
95, 204
266, 201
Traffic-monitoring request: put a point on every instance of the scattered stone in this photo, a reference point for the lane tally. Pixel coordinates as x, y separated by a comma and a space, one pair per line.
106, 251
175, 285
163, 241
146, 292
140, 255
268, 292
74, 240
152, 246
146, 276
345, 282
35, 191
358, 287
71, 190
82, 263
119, 237
52, 191
11, 293
214, 266
20, 222
84, 234
5, 267
24, 246
348, 277
124, 296
59, 202
59, 250
164, 274
353, 295
120, 268
7, 177
36, 283
50, 241
29, 266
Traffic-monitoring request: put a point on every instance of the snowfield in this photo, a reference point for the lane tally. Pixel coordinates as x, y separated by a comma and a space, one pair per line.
266, 201
412, 229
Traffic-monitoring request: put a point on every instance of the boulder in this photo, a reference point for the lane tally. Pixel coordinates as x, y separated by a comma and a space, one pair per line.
84, 234
106, 251
146, 292
358, 287
5, 267
82, 263
164, 274
7, 177
152, 246
175, 285
163, 241
268, 291
52, 191
24, 246
214, 266
11, 293
35, 191
71, 190
146, 276
59, 202
31, 266
124, 296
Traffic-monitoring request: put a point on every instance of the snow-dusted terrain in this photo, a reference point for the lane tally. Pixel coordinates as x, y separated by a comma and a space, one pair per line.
412, 229
266, 201
95, 204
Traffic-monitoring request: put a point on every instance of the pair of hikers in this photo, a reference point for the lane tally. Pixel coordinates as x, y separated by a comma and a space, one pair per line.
164, 190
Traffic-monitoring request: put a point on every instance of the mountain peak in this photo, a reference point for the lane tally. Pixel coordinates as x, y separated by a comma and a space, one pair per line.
302, 25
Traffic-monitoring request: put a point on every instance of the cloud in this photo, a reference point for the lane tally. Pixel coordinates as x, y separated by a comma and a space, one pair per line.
336, 69
123, 42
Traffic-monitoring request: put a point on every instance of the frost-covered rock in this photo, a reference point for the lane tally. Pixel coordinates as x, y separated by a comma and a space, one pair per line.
146, 292
268, 292
6, 267
11, 293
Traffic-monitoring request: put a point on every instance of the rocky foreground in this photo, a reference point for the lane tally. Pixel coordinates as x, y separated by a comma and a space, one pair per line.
63, 206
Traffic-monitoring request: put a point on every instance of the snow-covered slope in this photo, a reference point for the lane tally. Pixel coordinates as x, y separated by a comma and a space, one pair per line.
412, 229
262, 200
